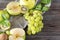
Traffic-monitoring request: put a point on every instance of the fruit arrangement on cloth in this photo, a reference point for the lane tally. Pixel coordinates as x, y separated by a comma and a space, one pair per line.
31, 10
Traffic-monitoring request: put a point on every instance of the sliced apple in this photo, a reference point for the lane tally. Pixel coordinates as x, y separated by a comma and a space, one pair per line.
17, 31
13, 8
17, 34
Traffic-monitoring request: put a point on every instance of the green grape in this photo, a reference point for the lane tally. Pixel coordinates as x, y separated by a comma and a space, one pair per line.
29, 25
8, 32
29, 32
37, 29
31, 22
36, 12
33, 30
31, 11
39, 14
27, 14
29, 18
35, 15
26, 17
40, 22
29, 29
35, 24
32, 18
41, 17
41, 25
37, 19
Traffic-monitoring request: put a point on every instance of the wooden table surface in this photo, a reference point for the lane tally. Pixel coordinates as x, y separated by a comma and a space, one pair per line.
51, 30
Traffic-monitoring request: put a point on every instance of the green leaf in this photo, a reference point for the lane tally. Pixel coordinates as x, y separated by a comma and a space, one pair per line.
5, 14
38, 7
5, 25
1, 18
45, 8
1, 32
45, 1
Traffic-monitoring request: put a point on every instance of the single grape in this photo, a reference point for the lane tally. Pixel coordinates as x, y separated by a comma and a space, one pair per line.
33, 30
36, 24
37, 19
35, 15
41, 25
26, 17
37, 29
29, 32
31, 22
8, 32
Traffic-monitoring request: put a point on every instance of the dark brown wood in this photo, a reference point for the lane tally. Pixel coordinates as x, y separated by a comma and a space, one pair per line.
51, 30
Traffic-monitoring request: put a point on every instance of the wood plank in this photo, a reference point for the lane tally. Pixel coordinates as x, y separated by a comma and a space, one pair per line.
44, 38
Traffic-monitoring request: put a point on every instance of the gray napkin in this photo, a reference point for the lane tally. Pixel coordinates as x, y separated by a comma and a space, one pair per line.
18, 22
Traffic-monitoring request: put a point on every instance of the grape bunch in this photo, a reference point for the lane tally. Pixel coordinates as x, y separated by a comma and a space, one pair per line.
35, 24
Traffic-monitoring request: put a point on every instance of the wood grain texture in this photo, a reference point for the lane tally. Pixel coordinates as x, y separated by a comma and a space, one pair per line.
51, 30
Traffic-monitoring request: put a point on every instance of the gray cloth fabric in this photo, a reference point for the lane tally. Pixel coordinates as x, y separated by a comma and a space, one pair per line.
18, 22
